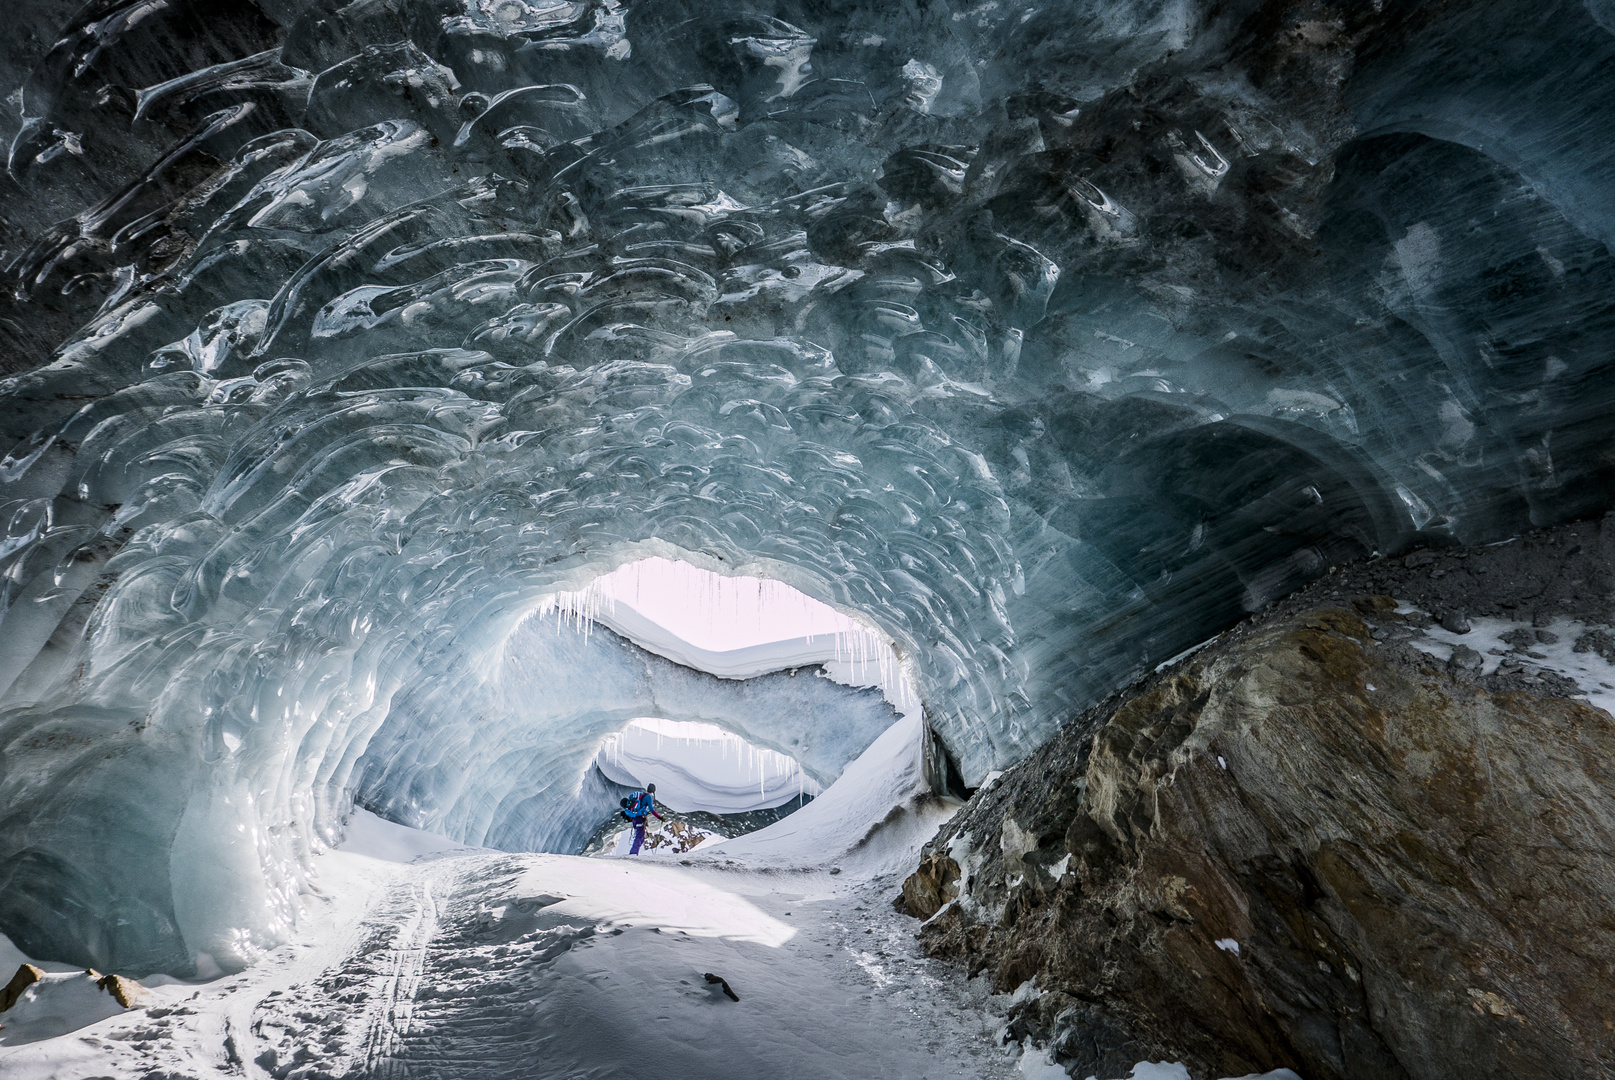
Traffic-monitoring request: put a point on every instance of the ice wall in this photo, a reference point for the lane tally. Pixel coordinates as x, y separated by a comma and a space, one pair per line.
698, 766
1048, 338
496, 753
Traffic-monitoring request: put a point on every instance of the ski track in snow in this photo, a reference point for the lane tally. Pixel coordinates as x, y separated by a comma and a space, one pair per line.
419, 959
459, 967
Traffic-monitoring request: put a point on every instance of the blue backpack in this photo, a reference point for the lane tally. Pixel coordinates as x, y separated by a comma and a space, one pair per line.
639, 804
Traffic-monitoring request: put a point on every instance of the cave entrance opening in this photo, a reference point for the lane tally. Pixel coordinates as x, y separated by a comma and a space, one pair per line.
721, 775
733, 626
710, 783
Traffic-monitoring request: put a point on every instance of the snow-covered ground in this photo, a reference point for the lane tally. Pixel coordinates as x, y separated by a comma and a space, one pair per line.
1587, 669
422, 958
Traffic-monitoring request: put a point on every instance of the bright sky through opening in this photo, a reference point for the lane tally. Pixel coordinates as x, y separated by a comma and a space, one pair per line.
713, 611
734, 626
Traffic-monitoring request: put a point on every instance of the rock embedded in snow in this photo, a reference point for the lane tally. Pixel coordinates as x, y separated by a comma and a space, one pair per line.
26, 976
1405, 884
124, 991
934, 884
52, 1003
720, 981
1456, 621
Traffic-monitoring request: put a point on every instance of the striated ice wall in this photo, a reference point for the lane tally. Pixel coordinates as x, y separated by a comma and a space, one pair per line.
1047, 338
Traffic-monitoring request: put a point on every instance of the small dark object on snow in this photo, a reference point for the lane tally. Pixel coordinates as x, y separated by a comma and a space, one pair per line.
1454, 621
721, 981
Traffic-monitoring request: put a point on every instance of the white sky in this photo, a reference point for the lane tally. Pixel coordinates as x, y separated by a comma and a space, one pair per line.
711, 611
740, 626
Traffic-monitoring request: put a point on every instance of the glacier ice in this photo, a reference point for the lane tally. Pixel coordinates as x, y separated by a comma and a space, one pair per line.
1044, 339
698, 766
504, 757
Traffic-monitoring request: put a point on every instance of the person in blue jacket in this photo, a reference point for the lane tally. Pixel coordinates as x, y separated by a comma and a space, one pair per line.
636, 808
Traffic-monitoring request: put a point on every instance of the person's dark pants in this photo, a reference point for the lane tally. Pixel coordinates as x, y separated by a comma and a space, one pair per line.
639, 835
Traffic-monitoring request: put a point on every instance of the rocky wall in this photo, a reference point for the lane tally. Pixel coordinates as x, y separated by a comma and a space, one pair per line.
1315, 845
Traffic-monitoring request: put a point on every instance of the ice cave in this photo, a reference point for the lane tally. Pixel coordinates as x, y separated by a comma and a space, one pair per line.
1097, 517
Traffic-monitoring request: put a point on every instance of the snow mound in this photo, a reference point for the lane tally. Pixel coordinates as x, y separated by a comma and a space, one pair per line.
874, 818
58, 1003
377, 838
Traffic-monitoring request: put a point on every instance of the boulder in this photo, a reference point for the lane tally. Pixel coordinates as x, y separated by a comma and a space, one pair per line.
25, 977
125, 991
1300, 849
933, 885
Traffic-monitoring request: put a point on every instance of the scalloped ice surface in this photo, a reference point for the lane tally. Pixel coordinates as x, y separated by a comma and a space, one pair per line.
1045, 339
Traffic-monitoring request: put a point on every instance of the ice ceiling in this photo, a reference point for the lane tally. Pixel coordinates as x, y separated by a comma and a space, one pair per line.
1048, 338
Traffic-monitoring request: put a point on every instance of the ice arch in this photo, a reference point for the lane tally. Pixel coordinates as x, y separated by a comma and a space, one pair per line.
493, 751
735, 626
699, 766
1046, 339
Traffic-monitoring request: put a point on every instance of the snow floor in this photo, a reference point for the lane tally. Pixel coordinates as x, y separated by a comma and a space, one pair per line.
471, 963
421, 958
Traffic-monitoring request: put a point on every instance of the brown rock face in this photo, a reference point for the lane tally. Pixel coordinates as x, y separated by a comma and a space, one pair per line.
1300, 849
25, 977
124, 991
935, 883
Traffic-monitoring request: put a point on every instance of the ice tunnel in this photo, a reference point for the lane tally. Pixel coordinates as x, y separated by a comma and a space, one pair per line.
1043, 341
530, 750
